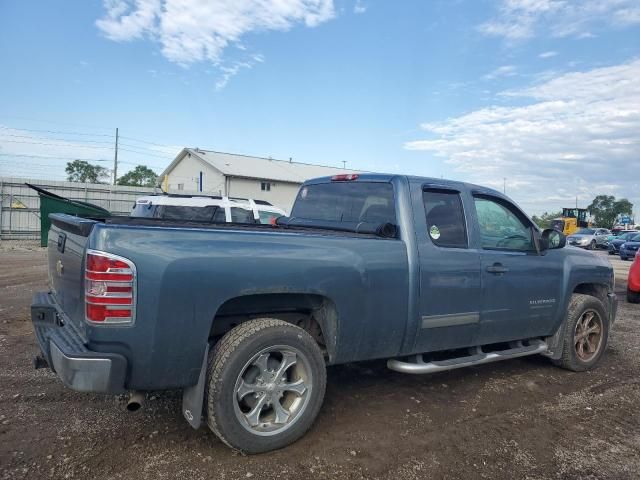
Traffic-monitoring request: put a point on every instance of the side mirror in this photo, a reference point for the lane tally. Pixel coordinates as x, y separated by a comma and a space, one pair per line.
552, 239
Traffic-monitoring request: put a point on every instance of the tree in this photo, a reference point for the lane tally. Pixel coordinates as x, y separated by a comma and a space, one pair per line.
544, 220
140, 176
81, 171
605, 209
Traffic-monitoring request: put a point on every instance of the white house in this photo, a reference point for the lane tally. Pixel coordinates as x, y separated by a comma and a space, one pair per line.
229, 174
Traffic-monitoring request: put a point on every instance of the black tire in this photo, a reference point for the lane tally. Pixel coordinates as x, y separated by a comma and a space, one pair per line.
582, 304
230, 360
633, 297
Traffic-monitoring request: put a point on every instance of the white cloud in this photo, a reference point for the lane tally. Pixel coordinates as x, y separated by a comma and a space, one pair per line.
523, 19
359, 7
192, 31
575, 134
548, 54
228, 72
503, 71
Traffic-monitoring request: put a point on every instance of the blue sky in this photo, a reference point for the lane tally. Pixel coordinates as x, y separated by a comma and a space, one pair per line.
544, 93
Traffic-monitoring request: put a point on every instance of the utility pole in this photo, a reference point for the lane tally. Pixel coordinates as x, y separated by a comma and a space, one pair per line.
344, 164
115, 160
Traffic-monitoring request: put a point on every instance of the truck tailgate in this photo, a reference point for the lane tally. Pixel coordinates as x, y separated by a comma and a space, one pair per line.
66, 247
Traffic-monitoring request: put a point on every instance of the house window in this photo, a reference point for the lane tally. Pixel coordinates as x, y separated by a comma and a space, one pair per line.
181, 186
265, 186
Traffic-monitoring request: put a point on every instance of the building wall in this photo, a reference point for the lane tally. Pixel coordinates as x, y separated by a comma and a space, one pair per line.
280, 194
185, 176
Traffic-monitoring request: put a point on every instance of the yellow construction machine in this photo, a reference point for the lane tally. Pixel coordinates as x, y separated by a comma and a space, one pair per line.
572, 219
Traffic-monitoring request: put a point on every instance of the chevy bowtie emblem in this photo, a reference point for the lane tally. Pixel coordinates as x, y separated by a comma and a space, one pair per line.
59, 268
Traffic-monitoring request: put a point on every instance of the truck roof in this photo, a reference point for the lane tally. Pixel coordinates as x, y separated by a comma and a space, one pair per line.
387, 177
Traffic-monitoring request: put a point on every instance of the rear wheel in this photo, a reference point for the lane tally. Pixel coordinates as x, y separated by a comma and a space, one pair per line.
633, 297
266, 383
586, 333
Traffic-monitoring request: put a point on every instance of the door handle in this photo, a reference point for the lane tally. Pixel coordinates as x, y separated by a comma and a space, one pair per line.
497, 268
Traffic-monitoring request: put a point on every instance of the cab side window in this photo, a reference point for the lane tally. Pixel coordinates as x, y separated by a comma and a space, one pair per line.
501, 227
445, 218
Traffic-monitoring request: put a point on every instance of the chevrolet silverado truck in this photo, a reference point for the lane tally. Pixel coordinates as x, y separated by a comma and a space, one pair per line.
429, 274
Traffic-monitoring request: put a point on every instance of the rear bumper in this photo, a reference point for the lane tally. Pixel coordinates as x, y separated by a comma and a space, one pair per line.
627, 253
65, 349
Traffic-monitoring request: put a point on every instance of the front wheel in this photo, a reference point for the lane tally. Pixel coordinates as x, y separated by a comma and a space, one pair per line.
592, 245
586, 333
266, 383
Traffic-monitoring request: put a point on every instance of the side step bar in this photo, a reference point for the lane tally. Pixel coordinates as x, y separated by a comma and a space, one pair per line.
416, 363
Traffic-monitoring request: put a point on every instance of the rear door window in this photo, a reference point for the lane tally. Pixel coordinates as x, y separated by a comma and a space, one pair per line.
267, 217
242, 215
446, 224
179, 212
346, 202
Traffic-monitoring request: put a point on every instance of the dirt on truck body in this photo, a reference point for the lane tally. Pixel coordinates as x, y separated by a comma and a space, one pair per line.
518, 419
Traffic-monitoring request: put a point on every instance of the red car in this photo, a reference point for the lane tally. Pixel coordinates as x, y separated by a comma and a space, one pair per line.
633, 284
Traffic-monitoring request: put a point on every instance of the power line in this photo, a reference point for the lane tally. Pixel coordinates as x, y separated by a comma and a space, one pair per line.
57, 122
144, 141
57, 139
54, 158
57, 132
144, 153
54, 144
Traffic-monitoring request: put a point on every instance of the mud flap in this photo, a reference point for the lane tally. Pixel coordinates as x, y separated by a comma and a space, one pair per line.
555, 342
193, 397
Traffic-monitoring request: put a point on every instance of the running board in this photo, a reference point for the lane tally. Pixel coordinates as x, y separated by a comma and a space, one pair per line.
416, 363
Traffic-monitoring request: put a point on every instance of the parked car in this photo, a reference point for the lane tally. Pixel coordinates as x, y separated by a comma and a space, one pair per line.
633, 283
590, 238
629, 248
205, 209
614, 244
429, 274
615, 233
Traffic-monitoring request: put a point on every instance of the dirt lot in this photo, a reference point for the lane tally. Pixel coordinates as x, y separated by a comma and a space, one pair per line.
517, 419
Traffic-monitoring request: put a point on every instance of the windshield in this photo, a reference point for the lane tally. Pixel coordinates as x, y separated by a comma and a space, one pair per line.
586, 231
346, 202
627, 235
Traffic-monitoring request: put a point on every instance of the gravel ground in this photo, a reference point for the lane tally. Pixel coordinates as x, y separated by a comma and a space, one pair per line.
518, 419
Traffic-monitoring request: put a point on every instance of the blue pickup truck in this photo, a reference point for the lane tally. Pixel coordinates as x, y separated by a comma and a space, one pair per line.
427, 273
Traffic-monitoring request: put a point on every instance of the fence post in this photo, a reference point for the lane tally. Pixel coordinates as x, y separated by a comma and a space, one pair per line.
1, 204
10, 211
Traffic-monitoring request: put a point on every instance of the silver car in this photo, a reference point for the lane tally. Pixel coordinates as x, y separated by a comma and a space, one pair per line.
590, 238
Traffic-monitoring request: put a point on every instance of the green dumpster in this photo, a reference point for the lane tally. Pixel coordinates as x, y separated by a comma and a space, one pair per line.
52, 203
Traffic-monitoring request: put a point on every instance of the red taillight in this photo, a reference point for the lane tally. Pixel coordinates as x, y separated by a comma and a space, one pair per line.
345, 177
102, 313
109, 288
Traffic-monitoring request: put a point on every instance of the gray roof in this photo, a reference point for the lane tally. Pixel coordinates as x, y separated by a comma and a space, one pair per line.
244, 166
